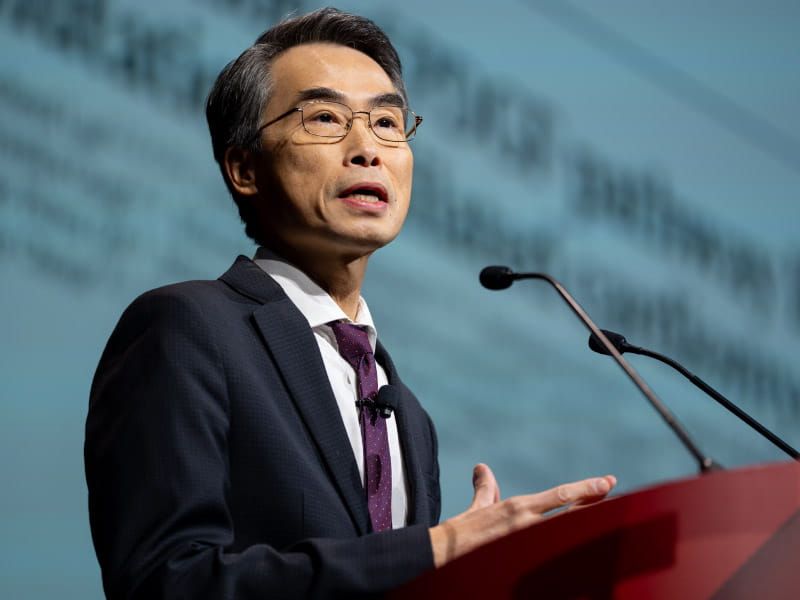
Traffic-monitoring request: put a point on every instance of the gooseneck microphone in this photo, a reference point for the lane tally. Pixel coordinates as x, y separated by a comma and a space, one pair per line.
497, 278
500, 278
622, 346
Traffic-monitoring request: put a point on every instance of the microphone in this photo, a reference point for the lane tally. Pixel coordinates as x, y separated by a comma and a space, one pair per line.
617, 339
500, 278
497, 278
622, 345
385, 402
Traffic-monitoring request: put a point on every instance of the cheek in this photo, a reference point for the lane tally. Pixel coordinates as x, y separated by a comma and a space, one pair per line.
404, 172
302, 175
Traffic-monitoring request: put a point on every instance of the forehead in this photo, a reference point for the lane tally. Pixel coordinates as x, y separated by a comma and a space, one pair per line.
353, 73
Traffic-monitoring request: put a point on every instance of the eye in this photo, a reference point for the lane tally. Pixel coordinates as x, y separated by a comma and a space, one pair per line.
324, 116
387, 118
386, 122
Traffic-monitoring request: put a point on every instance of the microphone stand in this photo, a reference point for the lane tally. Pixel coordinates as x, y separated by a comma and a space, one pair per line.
502, 277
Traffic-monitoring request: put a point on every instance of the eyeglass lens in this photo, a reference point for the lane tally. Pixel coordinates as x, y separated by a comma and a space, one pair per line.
332, 119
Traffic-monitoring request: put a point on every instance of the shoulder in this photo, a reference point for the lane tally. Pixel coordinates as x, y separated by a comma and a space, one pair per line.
187, 295
174, 306
237, 292
193, 310
219, 313
162, 322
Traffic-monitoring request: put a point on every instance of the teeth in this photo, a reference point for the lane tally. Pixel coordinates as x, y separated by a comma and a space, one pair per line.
368, 197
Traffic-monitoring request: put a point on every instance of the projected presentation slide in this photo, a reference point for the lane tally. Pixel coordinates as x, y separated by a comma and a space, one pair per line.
648, 158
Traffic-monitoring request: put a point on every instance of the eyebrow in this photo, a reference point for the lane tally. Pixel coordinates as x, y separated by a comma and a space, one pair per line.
320, 93
387, 100
324, 93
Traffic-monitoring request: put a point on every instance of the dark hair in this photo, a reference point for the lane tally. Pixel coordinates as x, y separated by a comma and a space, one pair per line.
236, 102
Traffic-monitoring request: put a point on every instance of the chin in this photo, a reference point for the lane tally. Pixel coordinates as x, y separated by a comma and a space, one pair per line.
370, 238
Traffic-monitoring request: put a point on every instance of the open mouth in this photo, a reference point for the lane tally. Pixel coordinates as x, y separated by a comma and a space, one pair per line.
367, 193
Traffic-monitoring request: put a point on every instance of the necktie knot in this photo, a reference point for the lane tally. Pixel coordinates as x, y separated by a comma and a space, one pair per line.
352, 340
355, 348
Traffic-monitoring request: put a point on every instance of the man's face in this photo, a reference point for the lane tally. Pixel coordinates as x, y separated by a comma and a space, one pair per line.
321, 197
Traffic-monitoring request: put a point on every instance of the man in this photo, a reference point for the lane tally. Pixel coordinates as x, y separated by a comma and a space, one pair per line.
232, 448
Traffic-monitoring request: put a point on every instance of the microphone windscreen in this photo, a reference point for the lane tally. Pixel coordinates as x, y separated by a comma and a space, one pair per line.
496, 278
617, 340
387, 400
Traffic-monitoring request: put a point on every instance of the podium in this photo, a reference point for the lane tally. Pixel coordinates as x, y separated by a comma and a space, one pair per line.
726, 535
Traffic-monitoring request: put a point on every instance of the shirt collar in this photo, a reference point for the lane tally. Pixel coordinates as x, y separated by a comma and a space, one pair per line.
312, 301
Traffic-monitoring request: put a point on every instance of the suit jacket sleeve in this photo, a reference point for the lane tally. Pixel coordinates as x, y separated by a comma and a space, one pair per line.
170, 516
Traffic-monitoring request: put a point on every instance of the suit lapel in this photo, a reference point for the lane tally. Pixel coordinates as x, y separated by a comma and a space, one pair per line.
409, 446
294, 350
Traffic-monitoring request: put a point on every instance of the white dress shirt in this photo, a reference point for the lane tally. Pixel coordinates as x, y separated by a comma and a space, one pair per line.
319, 309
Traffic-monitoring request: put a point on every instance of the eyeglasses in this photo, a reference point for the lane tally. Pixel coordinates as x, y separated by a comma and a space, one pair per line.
334, 120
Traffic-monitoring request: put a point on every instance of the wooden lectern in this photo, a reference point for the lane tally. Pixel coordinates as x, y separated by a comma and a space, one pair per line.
726, 535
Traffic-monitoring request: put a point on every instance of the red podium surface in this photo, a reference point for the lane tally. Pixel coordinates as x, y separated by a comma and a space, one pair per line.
727, 535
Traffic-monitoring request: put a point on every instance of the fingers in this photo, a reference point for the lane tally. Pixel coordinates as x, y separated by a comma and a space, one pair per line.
578, 493
610, 480
488, 519
474, 526
487, 491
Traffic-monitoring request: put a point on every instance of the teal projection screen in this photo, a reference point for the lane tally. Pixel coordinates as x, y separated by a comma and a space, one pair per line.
646, 156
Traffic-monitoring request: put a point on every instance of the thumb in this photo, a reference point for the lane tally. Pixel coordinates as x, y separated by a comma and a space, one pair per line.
487, 492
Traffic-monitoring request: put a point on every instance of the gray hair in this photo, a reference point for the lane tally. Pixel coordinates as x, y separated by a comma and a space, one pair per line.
236, 102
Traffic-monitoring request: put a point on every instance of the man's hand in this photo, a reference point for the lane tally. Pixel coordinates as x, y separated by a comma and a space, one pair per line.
489, 518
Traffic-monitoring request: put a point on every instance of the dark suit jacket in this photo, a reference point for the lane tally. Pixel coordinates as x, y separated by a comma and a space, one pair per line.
217, 462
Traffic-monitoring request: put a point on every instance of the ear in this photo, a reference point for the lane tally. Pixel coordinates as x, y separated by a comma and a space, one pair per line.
241, 170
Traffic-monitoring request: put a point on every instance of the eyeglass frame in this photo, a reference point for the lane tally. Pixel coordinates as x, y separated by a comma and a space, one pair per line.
417, 121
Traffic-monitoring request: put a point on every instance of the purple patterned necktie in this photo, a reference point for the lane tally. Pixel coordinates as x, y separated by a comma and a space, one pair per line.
355, 349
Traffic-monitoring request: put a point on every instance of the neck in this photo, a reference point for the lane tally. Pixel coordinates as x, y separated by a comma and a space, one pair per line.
340, 276
343, 284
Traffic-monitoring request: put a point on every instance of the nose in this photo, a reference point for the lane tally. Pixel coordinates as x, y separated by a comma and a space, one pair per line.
362, 145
